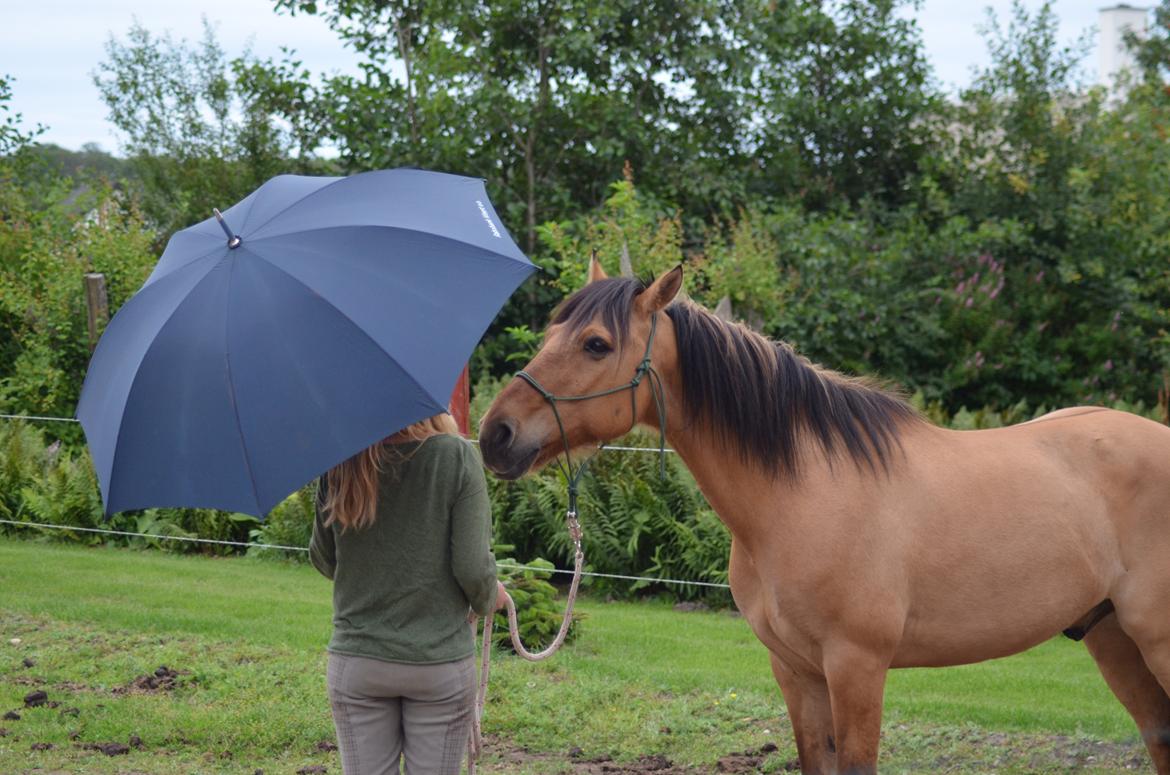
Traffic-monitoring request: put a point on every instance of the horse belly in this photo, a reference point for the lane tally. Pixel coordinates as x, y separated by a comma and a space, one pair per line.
1022, 555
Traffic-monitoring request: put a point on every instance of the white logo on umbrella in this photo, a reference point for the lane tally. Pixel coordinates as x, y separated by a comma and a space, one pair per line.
488, 220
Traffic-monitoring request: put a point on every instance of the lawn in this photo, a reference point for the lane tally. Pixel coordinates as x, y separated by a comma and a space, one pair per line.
643, 685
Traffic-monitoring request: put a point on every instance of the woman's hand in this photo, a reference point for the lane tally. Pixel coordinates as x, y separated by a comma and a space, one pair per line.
501, 596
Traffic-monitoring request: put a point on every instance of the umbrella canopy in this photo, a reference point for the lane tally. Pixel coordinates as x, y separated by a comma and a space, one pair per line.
319, 316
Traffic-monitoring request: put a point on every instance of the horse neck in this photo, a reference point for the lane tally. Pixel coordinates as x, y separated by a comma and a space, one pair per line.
738, 485
735, 490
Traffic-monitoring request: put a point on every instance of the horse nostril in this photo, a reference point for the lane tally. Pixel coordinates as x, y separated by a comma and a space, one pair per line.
503, 434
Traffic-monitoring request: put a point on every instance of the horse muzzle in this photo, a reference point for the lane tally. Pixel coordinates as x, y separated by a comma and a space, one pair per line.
504, 452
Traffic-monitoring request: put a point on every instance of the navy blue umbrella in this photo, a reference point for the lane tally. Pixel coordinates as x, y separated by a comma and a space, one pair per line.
314, 318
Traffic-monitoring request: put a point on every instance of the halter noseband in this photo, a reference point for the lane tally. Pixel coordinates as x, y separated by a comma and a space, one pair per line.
644, 368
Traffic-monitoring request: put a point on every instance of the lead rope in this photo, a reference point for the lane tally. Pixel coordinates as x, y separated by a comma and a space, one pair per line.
475, 742
572, 477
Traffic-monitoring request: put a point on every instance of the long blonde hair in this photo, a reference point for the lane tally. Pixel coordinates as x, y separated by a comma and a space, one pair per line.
351, 497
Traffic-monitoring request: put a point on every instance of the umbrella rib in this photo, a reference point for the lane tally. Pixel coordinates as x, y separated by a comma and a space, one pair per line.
293, 204
152, 279
352, 322
227, 358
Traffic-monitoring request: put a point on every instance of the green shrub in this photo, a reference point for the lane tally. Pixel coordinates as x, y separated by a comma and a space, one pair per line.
66, 493
22, 461
289, 524
538, 614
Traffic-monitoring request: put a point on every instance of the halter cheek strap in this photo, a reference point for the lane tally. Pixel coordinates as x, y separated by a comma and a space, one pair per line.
645, 368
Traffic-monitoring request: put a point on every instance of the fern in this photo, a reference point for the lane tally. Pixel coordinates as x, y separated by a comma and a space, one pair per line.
635, 523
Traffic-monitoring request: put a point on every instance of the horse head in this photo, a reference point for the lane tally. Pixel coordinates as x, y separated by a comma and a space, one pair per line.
592, 379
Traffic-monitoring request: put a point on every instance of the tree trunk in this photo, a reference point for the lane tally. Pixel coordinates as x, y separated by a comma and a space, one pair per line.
533, 126
403, 36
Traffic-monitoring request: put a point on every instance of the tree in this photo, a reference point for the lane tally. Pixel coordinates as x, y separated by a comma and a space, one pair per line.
842, 100
1153, 53
12, 137
201, 130
547, 99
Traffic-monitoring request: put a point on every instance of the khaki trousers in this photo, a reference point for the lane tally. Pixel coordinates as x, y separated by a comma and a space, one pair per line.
387, 710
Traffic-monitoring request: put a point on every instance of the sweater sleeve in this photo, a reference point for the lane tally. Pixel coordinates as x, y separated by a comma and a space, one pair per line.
322, 548
472, 561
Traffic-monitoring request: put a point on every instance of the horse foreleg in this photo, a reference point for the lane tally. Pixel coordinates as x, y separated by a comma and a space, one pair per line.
807, 699
856, 680
1125, 671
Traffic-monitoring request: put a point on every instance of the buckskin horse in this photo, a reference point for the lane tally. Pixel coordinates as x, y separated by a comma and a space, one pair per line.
863, 537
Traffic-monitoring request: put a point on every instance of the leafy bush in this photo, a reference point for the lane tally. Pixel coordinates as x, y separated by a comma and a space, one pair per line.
22, 462
289, 524
66, 494
209, 524
538, 614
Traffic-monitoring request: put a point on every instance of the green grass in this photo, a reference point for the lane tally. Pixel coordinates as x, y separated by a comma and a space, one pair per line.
641, 679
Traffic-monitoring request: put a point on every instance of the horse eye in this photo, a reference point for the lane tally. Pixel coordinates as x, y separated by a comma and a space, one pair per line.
595, 345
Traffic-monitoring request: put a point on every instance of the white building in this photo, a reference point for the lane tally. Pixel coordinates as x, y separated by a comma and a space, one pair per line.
1114, 58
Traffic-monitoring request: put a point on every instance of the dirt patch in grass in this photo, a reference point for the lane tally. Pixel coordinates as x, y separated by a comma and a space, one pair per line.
109, 749
502, 757
36, 699
1080, 753
746, 761
163, 679
974, 750
73, 686
969, 750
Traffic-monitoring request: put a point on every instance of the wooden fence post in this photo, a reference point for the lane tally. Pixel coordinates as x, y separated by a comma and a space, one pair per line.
97, 305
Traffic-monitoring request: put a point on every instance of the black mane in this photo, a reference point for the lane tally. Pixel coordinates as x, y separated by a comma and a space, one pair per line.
758, 396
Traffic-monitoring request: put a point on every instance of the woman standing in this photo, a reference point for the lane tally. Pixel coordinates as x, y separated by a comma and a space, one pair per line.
403, 529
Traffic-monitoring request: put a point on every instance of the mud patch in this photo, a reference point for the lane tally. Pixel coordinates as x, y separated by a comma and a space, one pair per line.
163, 679
975, 750
1075, 753
109, 749
745, 761
36, 699
507, 759
72, 686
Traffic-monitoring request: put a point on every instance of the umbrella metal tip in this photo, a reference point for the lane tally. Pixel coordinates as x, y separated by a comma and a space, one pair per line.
233, 238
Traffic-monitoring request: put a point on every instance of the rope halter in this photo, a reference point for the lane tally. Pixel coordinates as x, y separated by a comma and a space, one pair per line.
645, 368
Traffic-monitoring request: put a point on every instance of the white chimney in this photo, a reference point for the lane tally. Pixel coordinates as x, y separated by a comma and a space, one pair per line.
1114, 58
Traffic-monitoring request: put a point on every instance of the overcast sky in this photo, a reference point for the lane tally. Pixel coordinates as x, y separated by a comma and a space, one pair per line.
51, 47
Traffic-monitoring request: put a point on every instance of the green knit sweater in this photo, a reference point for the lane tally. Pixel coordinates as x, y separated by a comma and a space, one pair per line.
403, 585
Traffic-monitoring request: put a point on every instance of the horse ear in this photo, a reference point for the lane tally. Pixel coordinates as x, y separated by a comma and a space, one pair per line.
595, 271
661, 292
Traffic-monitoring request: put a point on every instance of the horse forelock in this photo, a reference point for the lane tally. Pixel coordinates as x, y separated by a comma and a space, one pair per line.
610, 299
762, 399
